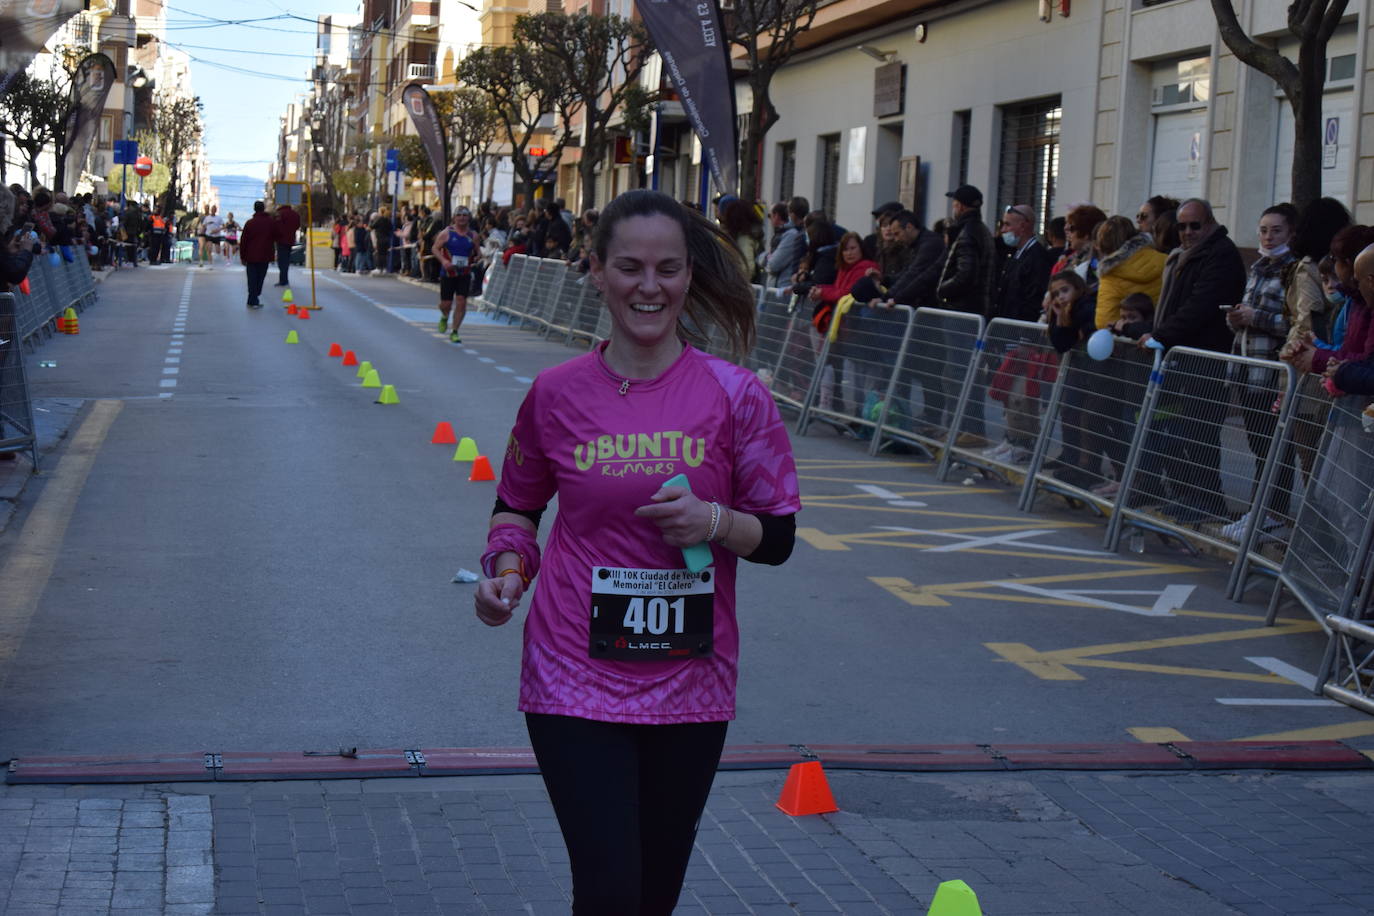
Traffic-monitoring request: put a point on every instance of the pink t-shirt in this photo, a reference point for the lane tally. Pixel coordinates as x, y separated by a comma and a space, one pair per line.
605, 454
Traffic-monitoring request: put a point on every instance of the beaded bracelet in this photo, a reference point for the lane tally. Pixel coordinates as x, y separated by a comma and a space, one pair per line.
715, 522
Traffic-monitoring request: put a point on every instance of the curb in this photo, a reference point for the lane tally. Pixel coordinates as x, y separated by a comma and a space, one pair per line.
353, 763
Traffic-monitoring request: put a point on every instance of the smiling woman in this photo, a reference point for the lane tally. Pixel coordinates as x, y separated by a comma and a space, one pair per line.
654, 449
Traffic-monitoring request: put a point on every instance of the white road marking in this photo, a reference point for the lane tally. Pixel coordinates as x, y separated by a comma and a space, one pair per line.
892, 499
1167, 600
172, 359
174, 349
485, 359
1265, 701
1284, 670
523, 380
167, 383
469, 351
1010, 539
504, 369
171, 370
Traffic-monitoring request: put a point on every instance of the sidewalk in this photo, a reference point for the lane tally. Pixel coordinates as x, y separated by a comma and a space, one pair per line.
1039, 842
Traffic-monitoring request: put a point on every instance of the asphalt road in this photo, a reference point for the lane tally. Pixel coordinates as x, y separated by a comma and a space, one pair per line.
237, 549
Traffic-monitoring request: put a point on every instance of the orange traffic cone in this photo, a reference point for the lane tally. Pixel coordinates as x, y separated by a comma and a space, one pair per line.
806, 791
61, 324
302, 314
443, 434
291, 309
335, 350
350, 358
481, 469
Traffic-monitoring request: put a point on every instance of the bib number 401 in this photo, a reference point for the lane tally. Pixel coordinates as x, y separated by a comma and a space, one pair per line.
655, 616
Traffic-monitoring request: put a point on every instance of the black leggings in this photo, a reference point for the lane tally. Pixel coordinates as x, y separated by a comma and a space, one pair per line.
628, 800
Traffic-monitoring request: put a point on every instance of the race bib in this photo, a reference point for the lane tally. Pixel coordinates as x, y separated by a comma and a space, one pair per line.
651, 614
459, 260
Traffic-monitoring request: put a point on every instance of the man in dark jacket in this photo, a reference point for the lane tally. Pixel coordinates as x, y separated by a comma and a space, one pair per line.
557, 237
915, 285
255, 250
966, 285
288, 221
966, 281
1202, 274
1026, 274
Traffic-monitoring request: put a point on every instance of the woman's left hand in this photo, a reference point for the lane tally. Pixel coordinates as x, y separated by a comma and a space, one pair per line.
682, 519
1240, 317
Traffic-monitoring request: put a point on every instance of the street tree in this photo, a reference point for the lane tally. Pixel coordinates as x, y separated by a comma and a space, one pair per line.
177, 127
415, 160
32, 117
600, 58
329, 139
154, 183
766, 31
527, 92
471, 125
1312, 22
352, 184
35, 109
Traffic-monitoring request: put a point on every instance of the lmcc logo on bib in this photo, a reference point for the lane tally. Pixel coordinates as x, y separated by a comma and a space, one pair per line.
653, 454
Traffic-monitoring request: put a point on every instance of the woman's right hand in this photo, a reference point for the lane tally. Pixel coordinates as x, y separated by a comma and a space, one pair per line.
498, 598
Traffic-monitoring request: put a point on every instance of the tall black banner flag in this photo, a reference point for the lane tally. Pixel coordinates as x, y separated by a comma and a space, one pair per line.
426, 118
691, 41
25, 28
90, 87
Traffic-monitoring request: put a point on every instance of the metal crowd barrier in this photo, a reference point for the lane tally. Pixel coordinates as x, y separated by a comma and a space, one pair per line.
859, 366
53, 288
1347, 672
1190, 469
935, 369
1325, 566
16, 407
1000, 417
1089, 422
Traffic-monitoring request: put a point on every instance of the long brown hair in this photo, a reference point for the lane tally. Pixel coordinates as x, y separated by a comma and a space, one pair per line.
719, 294
840, 265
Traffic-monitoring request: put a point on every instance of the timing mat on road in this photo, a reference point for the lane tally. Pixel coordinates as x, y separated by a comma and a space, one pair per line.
353, 763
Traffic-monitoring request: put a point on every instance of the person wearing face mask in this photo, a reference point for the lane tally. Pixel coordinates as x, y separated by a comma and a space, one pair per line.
1261, 328
1026, 273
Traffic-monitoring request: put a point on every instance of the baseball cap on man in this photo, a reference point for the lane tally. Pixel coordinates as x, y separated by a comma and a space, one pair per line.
967, 195
892, 206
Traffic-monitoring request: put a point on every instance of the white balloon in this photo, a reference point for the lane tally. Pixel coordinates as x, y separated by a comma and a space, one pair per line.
1100, 344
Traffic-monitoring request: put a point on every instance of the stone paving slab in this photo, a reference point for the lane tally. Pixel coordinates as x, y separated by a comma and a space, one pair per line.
1046, 842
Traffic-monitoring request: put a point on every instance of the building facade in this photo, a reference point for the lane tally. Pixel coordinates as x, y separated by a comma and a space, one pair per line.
1109, 102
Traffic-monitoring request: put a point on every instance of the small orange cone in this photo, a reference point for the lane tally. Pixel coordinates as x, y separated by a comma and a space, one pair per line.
443, 434
481, 469
290, 310
302, 314
61, 324
806, 791
350, 358
335, 350
72, 324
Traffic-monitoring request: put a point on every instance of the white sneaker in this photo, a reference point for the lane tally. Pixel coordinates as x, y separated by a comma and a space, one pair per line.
1236, 530
999, 451
1018, 456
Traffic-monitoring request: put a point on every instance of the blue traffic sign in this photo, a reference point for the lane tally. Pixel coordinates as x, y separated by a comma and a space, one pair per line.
125, 152
393, 160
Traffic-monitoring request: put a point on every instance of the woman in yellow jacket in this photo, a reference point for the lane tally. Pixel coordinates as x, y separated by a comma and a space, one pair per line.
1127, 263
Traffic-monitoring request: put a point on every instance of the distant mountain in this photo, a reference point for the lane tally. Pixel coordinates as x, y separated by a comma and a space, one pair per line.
237, 193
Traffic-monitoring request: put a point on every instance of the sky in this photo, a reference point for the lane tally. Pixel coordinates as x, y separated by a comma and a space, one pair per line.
246, 72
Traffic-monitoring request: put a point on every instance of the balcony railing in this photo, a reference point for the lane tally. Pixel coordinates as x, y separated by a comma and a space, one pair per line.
420, 72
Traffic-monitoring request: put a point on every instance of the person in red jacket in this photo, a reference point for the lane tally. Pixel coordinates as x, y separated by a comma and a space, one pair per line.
286, 223
255, 250
850, 267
